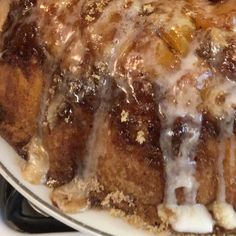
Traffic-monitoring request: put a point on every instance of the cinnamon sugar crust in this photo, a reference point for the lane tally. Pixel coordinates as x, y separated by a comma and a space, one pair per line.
132, 103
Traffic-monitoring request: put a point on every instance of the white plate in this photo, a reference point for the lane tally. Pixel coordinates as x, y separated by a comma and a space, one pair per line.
91, 221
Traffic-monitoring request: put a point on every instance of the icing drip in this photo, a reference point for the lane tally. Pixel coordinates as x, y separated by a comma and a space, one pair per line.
36, 168
225, 215
224, 111
47, 114
124, 28
220, 166
182, 100
226, 134
96, 146
138, 40
74, 196
188, 64
187, 218
124, 35
52, 111
224, 212
180, 170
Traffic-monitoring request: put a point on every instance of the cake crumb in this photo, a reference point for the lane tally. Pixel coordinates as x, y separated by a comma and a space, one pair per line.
148, 9
99, 65
116, 197
97, 77
124, 116
140, 137
89, 18
74, 196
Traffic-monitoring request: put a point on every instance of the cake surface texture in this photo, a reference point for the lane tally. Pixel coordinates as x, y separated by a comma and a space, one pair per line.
125, 105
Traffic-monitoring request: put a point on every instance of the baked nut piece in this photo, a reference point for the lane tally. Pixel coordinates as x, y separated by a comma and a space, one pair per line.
125, 105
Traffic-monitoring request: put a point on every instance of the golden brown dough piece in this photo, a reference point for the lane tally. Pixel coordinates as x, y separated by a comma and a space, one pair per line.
20, 97
131, 105
21, 87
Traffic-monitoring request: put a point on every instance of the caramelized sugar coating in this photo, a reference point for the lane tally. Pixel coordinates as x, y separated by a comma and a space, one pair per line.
136, 94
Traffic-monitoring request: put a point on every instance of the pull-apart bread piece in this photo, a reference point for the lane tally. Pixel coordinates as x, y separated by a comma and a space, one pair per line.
125, 105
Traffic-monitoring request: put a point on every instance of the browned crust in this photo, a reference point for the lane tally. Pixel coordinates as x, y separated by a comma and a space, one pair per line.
20, 98
132, 166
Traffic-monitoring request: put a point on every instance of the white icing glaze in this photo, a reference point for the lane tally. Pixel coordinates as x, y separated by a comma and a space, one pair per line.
53, 109
125, 31
180, 170
187, 218
225, 112
188, 64
73, 197
182, 100
60, 34
225, 215
96, 146
125, 34
37, 165
44, 112
70, 41
220, 166
63, 31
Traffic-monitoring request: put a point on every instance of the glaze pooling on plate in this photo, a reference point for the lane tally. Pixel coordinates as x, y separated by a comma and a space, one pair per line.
92, 221
130, 103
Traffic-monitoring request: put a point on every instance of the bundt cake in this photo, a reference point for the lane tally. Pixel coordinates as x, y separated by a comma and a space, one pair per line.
126, 105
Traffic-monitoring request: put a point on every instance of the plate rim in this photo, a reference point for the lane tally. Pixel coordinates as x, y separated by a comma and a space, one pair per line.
53, 211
